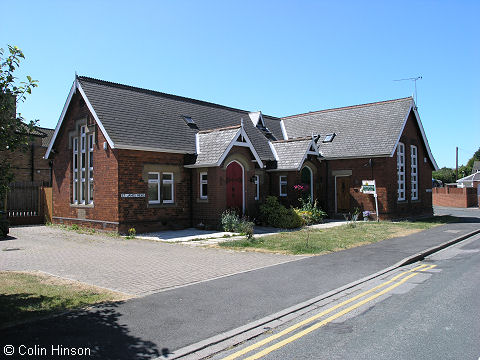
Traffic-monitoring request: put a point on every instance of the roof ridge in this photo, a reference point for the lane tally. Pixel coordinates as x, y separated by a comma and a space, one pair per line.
348, 107
295, 139
159, 93
219, 129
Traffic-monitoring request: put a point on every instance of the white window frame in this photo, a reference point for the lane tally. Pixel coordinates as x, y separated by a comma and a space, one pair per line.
401, 171
90, 168
414, 172
282, 182
83, 155
75, 171
203, 182
256, 181
172, 191
154, 181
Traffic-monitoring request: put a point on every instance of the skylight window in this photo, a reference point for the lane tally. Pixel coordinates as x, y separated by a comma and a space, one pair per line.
188, 120
191, 124
329, 137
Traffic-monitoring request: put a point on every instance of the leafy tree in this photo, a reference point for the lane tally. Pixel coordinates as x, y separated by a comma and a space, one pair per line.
469, 166
446, 175
15, 132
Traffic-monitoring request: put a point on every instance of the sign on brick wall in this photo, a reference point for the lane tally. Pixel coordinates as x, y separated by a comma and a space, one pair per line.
132, 195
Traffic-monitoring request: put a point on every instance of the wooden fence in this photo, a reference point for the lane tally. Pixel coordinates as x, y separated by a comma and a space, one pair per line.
26, 202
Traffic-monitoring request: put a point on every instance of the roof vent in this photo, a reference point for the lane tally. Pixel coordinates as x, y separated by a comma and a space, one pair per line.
188, 120
329, 137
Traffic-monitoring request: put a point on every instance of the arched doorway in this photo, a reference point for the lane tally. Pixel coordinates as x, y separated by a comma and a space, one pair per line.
235, 186
307, 179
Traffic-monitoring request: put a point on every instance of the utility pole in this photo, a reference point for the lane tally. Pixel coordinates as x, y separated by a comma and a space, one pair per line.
456, 164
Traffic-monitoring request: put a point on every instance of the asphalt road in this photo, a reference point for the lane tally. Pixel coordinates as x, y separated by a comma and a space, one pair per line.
432, 315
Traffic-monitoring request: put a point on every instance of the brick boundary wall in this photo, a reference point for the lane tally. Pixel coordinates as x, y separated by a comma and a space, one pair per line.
455, 197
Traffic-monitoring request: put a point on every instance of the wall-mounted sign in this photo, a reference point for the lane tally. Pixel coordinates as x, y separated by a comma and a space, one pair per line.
369, 187
132, 195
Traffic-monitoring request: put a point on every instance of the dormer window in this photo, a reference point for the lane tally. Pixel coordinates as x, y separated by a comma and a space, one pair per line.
329, 137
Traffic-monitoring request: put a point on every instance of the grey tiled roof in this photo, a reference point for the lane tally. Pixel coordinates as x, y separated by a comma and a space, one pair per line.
48, 135
291, 152
137, 117
213, 144
361, 130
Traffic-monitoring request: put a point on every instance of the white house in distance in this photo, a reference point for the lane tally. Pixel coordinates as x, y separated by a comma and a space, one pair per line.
470, 181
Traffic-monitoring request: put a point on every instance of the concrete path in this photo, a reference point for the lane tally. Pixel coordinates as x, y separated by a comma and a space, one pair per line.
135, 267
194, 237
161, 323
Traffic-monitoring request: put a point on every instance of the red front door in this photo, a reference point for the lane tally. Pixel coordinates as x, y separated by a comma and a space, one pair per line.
235, 186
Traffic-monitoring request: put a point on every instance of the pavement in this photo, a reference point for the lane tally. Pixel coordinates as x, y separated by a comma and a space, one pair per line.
131, 266
163, 323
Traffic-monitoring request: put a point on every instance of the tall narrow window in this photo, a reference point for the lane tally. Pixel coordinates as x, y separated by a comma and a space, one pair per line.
203, 185
167, 188
283, 185
401, 171
414, 172
154, 188
256, 181
83, 156
90, 168
75, 171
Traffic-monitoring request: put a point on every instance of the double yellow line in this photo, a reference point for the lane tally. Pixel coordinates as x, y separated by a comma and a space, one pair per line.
308, 330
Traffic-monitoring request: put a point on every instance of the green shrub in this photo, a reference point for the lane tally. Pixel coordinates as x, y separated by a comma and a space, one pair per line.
131, 233
74, 227
277, 215
233, 223
229, 220
310, 212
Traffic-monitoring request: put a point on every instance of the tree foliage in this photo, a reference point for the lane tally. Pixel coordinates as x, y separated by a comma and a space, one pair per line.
446, 175
15, 132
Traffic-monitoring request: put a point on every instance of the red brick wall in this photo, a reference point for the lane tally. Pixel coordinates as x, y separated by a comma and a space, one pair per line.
384, 172
209, 211
455, 197
21, 162
137, 212
104, 211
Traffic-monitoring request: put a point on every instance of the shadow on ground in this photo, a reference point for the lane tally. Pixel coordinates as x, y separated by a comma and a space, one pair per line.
99, 329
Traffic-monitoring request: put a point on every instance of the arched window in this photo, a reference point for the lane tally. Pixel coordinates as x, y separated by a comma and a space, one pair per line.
307, 180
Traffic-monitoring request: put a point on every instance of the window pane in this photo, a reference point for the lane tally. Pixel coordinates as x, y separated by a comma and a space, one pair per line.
153, 176
83, 160
167, 176
167, 190
90, 191
204, 190
90, 159
204, 177
153, 192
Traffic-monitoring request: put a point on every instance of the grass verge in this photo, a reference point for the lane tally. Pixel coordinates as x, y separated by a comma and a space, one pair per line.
29, 296
310, 241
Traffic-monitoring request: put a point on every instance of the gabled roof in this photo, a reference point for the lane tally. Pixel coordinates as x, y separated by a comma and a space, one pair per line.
470, 178
214, 145
141, 119
368, 130
291, 154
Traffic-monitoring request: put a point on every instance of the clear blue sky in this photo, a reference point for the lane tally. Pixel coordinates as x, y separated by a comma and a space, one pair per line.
279, 57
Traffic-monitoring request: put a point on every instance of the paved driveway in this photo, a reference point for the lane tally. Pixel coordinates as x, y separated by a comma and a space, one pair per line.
136, 267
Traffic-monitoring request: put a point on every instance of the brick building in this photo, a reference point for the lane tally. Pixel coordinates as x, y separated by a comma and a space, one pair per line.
129, 157
30, 164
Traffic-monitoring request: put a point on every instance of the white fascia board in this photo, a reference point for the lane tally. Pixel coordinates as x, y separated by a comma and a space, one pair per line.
144, 148
422, 131
197, 143
60, 120
92, 111
308, 152
425, 141
242, 132
284, 131
274, 152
